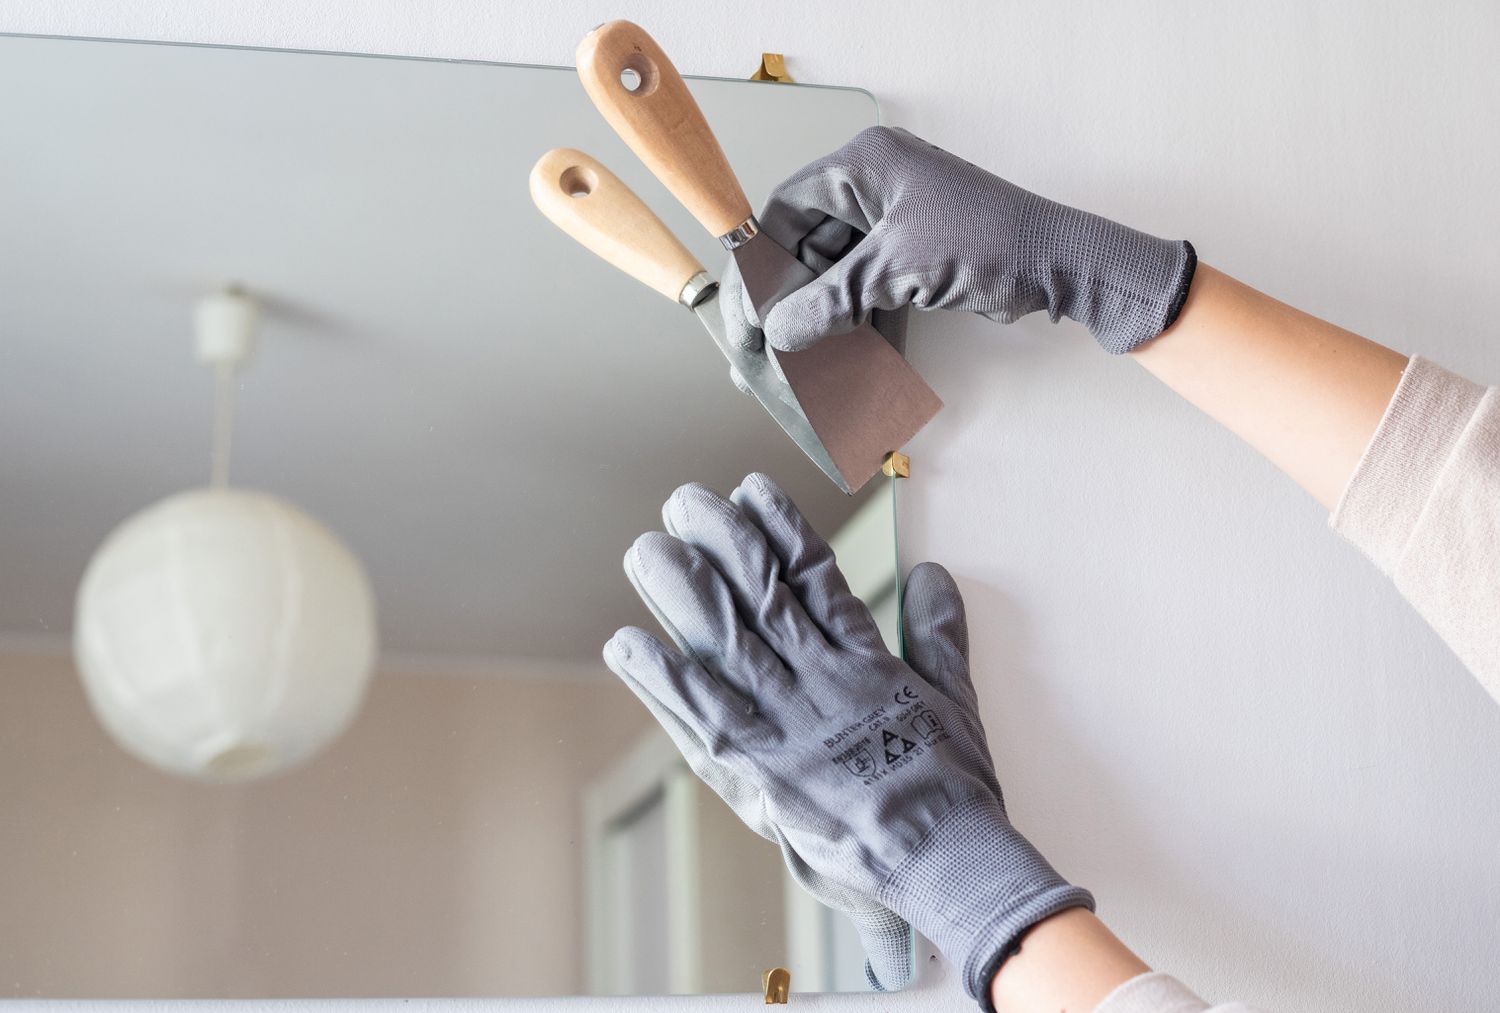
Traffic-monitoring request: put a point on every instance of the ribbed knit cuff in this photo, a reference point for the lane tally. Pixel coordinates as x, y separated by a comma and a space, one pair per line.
1384, 498
974, 886
1124, 285
1184, 285
1142, 286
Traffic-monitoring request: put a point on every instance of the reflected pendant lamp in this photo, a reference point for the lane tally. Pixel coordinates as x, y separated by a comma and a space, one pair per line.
224, 634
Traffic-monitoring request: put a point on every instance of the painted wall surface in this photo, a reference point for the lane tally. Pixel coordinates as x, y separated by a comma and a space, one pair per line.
436, 846
1279, 783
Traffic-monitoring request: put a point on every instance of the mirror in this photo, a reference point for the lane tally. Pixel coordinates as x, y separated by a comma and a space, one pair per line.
485, 416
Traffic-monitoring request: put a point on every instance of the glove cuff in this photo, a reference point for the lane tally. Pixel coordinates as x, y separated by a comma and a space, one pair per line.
974, 886
1125, 286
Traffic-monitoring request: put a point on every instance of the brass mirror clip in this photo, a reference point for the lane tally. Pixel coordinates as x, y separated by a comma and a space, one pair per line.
896, 465
772, 68
778, 984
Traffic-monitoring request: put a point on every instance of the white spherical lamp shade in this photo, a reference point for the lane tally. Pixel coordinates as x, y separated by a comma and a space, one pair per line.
223, 634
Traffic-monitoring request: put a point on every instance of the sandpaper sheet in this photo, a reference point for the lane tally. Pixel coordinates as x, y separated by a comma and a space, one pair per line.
862, 398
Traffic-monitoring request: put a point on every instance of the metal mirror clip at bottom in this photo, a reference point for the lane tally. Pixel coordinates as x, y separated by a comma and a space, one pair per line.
778, 985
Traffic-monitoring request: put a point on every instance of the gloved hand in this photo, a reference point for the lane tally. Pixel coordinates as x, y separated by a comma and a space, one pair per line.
874, 772
885, 936
891, 220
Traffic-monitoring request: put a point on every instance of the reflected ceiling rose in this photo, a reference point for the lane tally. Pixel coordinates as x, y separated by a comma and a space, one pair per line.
224, 634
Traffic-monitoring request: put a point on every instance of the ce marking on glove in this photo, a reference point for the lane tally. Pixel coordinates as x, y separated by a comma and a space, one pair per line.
905, 695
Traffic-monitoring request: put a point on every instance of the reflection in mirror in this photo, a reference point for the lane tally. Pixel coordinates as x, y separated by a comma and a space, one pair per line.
453, 419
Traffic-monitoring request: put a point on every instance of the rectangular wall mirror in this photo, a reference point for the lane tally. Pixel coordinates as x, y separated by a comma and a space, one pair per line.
485, 416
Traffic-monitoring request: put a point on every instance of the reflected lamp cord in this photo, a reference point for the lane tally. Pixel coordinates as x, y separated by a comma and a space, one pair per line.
223, 435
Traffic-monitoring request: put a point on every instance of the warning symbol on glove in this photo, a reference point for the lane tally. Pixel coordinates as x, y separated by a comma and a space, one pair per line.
860, 763
895, 746
926, 725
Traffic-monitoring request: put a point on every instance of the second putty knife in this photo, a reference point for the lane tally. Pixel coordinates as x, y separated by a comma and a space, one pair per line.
861, 397
588, 202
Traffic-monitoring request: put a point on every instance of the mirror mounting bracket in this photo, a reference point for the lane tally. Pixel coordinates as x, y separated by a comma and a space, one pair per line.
772, 68
778, 985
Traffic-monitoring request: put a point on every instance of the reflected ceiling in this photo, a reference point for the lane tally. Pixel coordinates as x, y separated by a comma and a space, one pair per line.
487, 414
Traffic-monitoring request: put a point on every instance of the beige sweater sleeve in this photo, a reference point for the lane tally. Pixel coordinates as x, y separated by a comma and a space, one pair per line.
1155, 992
1424, 504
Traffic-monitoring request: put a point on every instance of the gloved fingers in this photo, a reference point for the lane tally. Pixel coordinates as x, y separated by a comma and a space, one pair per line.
841, 297
741, 326
710, 710
737, 791
826, 244
739, 382
696, 607
849, 185
738, 379
738, 550
891, 323
936, 633
885, 936
935, 640
808, 565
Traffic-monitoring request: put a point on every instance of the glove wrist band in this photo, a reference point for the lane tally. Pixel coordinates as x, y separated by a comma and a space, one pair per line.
1124, 285
974, 886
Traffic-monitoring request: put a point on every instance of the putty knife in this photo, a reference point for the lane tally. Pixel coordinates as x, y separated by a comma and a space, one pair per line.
589, 203
858, 394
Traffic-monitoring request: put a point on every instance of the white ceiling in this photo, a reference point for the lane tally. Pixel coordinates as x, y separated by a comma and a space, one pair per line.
487, 414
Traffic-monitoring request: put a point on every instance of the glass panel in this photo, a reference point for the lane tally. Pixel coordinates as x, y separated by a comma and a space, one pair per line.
482, 414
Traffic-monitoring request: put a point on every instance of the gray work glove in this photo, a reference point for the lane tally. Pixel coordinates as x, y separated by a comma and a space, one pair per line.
885, 936
890, 220
875, 773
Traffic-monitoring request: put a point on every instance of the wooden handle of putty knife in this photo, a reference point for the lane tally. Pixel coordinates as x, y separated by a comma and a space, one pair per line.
661, 122
589, 203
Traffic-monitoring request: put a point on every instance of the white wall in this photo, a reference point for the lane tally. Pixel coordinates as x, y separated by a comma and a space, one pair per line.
1278, 782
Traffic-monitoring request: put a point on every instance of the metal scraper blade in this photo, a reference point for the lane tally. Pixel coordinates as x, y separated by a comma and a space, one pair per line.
860, 396
773, 393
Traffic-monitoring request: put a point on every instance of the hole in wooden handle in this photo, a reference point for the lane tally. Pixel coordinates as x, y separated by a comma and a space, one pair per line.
577, 181
639, 75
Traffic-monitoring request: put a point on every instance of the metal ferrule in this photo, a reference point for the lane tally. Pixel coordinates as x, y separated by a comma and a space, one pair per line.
741, 234
697, 289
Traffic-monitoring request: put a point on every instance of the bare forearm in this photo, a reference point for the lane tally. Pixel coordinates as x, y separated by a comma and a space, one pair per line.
1306, 394
1069, 962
